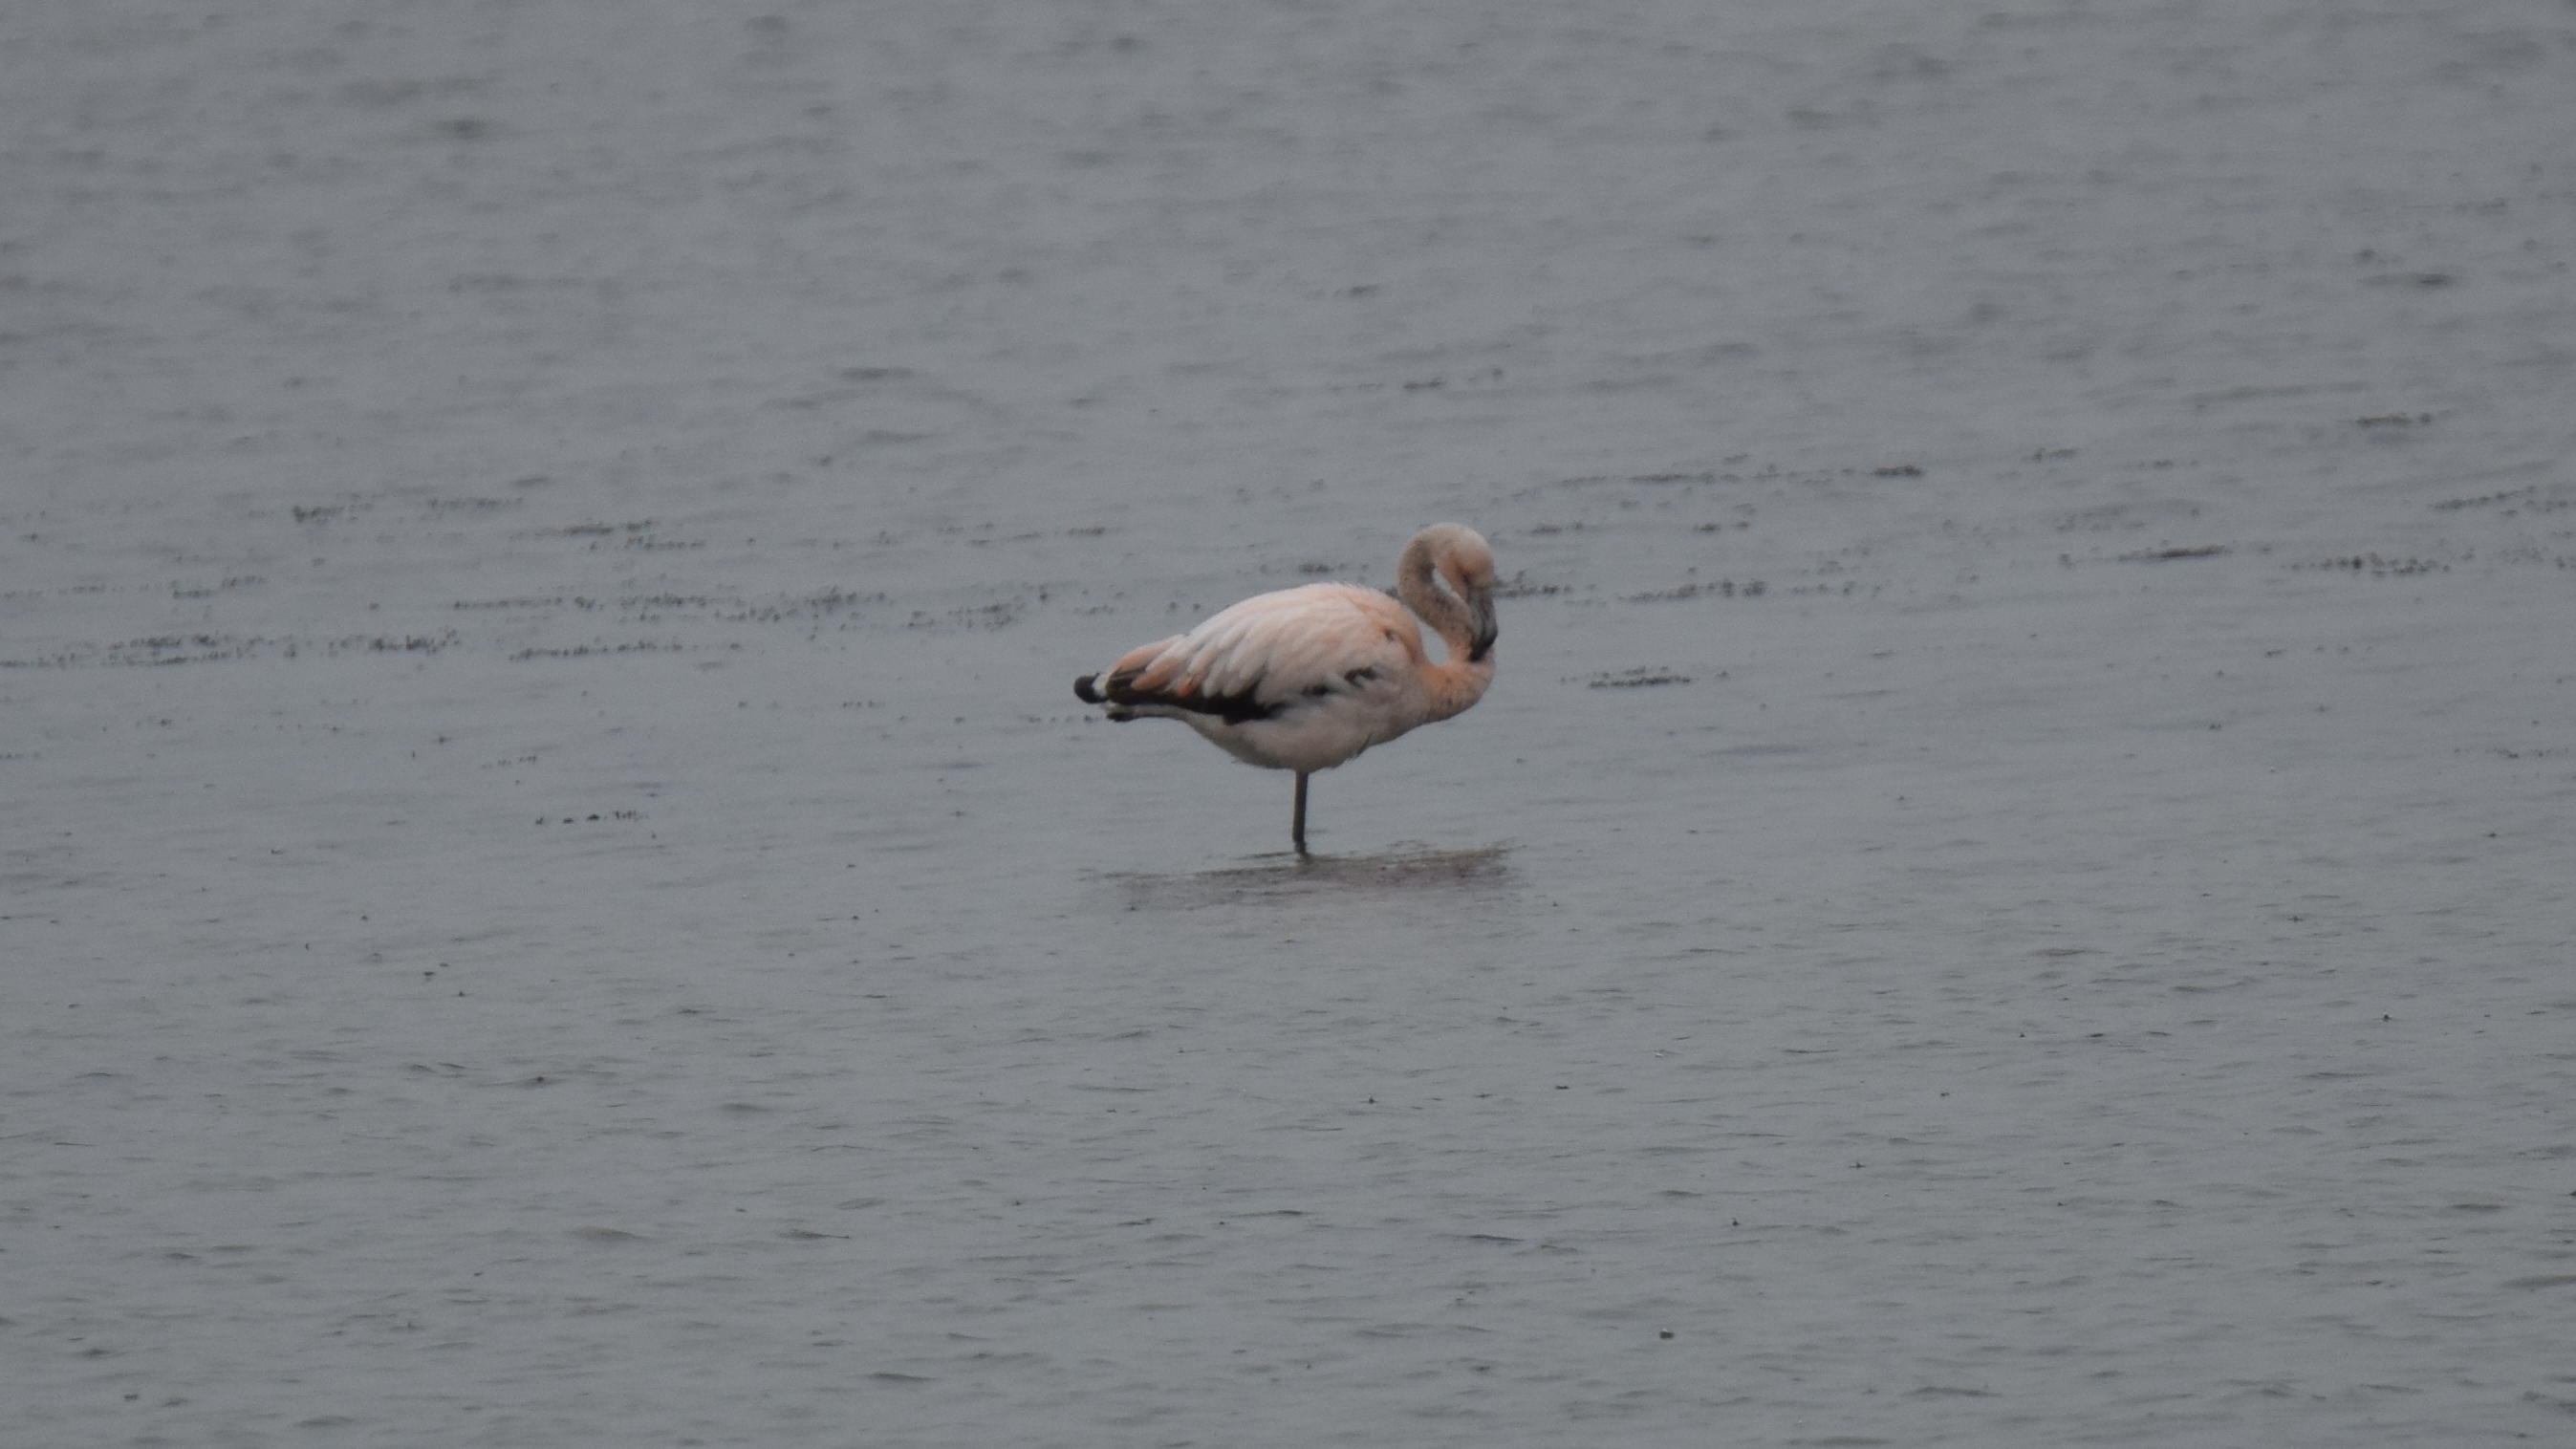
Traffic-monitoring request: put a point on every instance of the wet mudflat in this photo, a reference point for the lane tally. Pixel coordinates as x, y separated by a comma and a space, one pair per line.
2011, 888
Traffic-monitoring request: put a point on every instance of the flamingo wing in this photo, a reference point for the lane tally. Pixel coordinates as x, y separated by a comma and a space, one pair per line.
1267, 655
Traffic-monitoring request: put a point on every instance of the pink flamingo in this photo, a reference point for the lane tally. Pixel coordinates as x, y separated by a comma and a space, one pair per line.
1306, 678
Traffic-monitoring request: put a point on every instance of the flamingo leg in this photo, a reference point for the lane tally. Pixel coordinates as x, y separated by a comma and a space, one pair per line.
1297, 824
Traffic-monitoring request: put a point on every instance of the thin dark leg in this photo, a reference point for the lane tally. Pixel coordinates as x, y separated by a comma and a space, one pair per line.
1297, 827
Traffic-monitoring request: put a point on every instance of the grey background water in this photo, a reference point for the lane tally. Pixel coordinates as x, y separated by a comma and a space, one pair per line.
2012, 888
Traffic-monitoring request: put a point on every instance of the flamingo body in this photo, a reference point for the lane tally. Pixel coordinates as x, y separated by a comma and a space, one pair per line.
1306, 678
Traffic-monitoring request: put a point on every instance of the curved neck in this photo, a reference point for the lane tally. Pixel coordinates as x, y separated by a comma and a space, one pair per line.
1417, 579
1460, 682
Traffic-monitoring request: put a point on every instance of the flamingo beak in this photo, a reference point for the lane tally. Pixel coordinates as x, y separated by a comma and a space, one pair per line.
1480, 614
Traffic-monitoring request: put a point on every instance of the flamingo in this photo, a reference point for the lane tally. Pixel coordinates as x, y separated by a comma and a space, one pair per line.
1306, 678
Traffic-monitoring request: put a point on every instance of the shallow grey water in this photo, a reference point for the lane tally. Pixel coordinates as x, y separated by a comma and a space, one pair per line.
2011, 888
